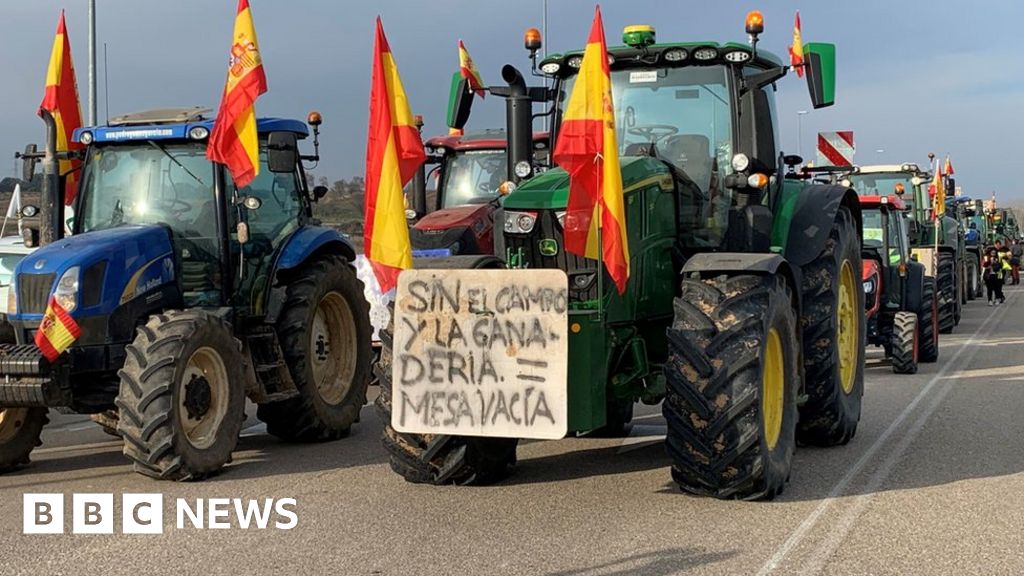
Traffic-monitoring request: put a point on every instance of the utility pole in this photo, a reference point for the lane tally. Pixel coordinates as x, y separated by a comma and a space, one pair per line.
92, 62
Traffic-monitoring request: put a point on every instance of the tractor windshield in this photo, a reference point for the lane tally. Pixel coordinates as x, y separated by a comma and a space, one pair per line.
881, 184
682, 116
472, 177
149, 183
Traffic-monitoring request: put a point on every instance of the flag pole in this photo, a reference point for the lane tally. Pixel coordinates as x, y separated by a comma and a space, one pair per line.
600, 266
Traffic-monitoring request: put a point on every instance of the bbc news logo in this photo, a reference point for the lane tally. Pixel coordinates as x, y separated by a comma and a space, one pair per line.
144, 514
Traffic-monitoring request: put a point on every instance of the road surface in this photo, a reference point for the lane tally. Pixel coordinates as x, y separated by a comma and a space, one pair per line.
931, 484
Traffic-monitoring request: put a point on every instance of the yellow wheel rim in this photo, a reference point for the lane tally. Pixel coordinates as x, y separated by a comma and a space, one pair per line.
11, 420
773, 395
848, 320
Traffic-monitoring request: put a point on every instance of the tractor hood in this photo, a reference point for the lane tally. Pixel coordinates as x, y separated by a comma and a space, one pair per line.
454, 217
550, 190
115, 266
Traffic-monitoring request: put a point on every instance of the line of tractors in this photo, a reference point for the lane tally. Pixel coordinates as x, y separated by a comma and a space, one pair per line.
755, 284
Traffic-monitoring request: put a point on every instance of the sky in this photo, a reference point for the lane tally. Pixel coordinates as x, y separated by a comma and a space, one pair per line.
913, 76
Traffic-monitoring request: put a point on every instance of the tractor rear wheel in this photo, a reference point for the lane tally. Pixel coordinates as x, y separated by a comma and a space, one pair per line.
928, 323
438, 459
904, 343
833, 338
325, 336
946, 281
975, 288
107, 421
20, 429
733, 373
182, 396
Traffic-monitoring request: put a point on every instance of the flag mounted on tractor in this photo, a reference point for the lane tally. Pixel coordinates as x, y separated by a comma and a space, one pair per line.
588, 150
234, 141
470, 72
796, 51
61, 101
57, 331
394, 151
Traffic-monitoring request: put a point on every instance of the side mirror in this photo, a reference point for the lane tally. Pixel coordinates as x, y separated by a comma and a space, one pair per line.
29, 160
460, 102
820, 62
282, 152
319, 192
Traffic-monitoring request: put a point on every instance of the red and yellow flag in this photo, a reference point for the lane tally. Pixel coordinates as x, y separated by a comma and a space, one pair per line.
469, 71
796, 51
394, 152
588, 150
61, 101
234, 141
947, 169
938, 192
57, 331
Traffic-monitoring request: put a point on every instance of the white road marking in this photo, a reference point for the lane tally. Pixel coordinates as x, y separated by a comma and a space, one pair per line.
641, 435
812, 519
77, 447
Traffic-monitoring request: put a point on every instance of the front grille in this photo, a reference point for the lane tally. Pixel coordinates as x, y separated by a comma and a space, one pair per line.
34, 292
439, 239
528, 245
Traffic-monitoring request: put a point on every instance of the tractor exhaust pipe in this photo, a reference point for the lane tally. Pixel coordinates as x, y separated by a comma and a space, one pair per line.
51, 207
518, 119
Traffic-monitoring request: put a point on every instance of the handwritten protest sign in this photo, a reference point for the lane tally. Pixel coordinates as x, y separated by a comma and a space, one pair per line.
481, 353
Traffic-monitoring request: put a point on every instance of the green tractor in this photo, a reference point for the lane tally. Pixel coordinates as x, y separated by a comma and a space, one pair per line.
744, 310
939, 247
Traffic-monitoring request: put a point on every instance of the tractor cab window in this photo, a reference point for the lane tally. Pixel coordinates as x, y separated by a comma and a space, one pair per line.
880, 184
682, 116
151, 183
897, 238
280, 196
473, 176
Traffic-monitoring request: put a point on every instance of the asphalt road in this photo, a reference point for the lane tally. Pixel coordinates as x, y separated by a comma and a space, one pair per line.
931, 484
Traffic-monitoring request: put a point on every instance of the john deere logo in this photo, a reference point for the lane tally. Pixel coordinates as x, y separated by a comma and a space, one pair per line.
548, 247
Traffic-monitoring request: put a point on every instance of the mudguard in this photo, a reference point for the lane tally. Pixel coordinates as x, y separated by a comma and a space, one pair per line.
310, 240
814, 212
914, 287
713, 263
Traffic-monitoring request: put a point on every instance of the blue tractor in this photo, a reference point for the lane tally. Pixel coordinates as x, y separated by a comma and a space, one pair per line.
191, 295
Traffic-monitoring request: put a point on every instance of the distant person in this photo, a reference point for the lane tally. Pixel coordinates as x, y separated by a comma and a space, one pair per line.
995, 276
972, 235
1016, 251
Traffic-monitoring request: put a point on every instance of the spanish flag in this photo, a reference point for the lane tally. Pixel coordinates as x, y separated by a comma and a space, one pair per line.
394, 152
234, 141
61, 101
796, 51
938, 192
587, 149
469, 71
57, 331
947, 169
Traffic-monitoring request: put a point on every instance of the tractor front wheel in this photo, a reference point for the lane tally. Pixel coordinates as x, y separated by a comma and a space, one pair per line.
904, 343
732, 378
946, 281
928, 323
975, 288
325, 336
438, 459
182, 397
20, 429
833, 338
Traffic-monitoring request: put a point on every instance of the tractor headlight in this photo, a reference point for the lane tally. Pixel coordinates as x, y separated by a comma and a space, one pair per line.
85, 138
740, 162
66, 293
550, 68
12, 300
523, 169
869, 286
582, 281
520, 222
198, 133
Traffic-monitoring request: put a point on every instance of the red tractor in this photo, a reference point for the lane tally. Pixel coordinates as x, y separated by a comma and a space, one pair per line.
471, 173
900, 299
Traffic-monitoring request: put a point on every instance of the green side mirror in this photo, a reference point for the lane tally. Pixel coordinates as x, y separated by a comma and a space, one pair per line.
820, 62
460, 102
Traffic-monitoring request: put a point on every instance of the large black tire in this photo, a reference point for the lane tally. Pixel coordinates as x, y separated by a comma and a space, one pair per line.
733, 374
946, 282
437, 459
326, 338
182, 397
904, 343
928, 323
975, 286
20, 429
833, 320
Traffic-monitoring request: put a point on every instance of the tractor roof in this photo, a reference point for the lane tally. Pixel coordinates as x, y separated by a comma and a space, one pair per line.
879, 201
627, 56
175, 124
907, 167
490, 139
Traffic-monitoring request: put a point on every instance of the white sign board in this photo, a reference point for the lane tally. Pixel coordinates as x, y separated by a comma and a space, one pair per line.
481, 353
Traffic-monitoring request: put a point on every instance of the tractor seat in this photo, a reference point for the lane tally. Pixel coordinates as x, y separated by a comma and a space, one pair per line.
691, 153
640, 149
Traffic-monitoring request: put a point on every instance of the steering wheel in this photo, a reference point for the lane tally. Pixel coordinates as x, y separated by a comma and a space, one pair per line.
653, 132
167, 205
